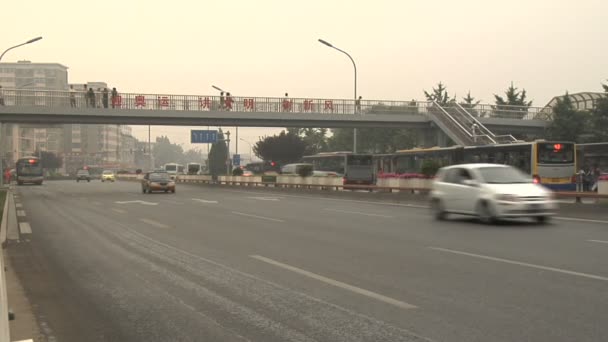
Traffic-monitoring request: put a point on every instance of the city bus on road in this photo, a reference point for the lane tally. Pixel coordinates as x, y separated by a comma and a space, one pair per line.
550, 163
194, 169
29, 170
173, 169
354, 168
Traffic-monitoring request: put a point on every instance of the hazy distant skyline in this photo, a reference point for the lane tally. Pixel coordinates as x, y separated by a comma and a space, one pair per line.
267, 48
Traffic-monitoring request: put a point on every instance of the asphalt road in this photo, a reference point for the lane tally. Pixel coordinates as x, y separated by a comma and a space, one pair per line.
105, 262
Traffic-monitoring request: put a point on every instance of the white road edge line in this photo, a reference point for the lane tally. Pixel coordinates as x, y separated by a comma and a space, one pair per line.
21, 213
25, 228
358, 213
579, 219
119, 211
153, 223
18, 205
525, 264
336, 283
258, 217
598, 241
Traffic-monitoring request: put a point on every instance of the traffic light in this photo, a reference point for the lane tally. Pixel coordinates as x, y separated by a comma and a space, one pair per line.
273, 164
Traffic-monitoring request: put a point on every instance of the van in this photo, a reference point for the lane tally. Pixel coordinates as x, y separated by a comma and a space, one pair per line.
294, 169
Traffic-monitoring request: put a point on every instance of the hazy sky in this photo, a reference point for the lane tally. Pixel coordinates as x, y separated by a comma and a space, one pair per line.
268, 47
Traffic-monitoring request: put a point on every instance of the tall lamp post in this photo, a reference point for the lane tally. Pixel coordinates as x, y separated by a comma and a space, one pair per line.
250, 150
355, 66
1, 149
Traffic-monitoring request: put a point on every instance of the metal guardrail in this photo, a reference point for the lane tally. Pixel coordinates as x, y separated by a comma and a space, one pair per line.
143, 101
4, 323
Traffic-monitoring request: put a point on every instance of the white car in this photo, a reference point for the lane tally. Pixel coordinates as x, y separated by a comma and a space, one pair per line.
490, 192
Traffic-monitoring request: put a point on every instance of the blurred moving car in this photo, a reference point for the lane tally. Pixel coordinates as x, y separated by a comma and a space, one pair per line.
83, 175
108, 175
490, 192
247, 173
157, 181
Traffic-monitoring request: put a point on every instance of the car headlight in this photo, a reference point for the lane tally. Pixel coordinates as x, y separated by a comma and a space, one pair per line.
507, 198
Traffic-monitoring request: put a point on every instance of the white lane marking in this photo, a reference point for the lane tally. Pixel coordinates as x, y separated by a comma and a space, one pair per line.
120, 211
598, 241
138, 201
358, 213
96, 203
342, 200
258, 217
337, 283
25, 228
525, 264
21, 213
579, 219
265, 198
18, 205
153, 223
204, 201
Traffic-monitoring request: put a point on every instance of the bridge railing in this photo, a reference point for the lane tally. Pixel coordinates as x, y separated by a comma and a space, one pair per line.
143, 101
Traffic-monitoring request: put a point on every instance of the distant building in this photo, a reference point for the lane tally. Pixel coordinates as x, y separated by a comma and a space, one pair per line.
23, 78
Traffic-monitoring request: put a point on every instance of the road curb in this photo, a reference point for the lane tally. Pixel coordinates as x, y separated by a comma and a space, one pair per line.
4, 325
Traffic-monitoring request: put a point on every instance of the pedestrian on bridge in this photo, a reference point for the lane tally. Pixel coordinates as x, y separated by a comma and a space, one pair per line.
114, 97
91, 98
105, 98
358, 105
286, 103
1, 96
222, 101
229, 101
85, 96
72, 96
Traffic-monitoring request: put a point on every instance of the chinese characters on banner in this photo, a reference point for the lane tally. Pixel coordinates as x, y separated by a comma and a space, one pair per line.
163, 101
308, 106
140, 101
204, 103
116, 101
248, 104
287, 104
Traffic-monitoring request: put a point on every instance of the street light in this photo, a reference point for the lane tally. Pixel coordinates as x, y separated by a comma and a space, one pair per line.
355, 66
250, 150
16, 46
236, 143
1, 150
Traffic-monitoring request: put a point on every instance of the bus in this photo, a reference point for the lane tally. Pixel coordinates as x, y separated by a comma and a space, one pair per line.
173, 169
550, 163
354, 168
194, 169
29, 170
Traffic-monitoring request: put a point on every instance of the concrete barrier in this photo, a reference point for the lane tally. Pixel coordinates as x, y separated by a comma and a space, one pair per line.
8, 209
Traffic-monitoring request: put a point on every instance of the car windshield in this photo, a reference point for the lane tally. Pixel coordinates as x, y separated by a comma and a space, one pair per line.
159, 177
108, 173
83, 172
503, 175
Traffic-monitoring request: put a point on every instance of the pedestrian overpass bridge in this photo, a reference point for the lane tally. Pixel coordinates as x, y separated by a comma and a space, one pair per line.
456, 121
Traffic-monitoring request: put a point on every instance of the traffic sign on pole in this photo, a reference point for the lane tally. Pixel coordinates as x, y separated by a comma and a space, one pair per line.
236, 159
203, 136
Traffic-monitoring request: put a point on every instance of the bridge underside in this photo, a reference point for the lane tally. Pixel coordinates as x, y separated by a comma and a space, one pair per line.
51, 116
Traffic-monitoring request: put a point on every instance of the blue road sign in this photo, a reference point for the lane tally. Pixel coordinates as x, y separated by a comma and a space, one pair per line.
203, 137
236, 159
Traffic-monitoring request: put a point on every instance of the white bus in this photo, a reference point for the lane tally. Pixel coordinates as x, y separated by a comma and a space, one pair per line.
173, 169
194, 169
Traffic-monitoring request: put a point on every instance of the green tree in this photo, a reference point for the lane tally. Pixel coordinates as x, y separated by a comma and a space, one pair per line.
218, 156
599, 118
314, 138
469, 102
373, 140
514, 105
166, 152
193, 156
283, 148
439, 94
568, 123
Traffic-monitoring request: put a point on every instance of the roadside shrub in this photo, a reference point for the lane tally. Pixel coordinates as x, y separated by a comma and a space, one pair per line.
429, 167
305, 171
237, 172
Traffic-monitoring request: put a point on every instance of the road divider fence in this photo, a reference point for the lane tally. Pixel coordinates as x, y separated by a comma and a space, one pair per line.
413, 185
